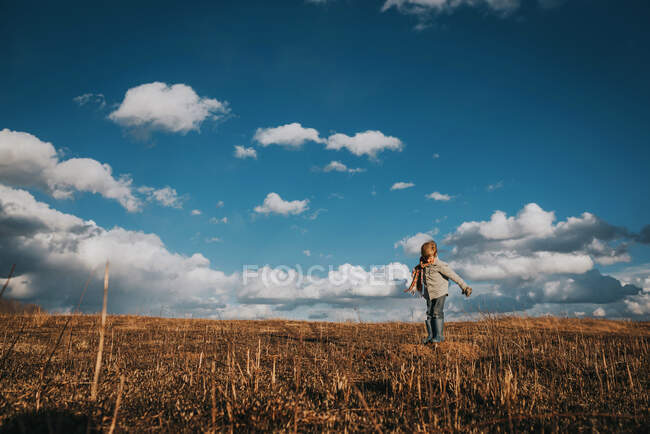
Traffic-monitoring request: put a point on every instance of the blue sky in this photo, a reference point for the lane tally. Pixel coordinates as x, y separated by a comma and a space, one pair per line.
492, 104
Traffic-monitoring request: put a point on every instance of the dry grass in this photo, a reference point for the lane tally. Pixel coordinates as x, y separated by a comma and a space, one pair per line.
509, 374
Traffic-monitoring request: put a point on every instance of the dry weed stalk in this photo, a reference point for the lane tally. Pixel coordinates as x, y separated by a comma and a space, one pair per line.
11, 272
120, 389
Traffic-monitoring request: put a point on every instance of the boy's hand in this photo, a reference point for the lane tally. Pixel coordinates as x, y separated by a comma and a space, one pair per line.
467, 291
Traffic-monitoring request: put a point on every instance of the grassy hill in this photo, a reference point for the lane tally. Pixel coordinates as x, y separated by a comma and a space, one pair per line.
508, 374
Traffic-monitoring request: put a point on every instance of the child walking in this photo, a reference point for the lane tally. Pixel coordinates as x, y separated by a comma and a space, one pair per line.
431, 279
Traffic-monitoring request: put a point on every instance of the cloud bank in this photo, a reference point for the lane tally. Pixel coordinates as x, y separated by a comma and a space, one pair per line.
526, 263
531, 260
56, 252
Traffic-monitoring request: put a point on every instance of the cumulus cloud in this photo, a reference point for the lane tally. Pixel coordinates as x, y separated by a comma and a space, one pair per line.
26, 161
337, 166
306, 252
294, 135
402, 185
274, 204
638, 275
531, 261
533, 230
598, 312
439, 196
291, 135
55, 253
159, 106
638, 304
196, 212
412, 244
243, 152
368, 143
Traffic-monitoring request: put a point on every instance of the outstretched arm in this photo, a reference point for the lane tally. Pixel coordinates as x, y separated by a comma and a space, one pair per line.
451, 274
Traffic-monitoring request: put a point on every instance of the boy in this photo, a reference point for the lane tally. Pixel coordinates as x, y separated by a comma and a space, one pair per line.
431, 279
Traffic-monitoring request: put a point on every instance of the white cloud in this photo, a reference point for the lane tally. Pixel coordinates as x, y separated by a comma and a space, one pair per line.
638, 304
291, 135
532, 220
306, 252
91, 98
599, 312
531, 243
436, 155
57, 251
424, 10
426, 6
196, 212
26, 161
368, 143
216, 221
412, 244
220, 204
165, 196
274, 204
213, 240
337, 166
158, 106
638, 275
536, 264
243, 152
402, 185
500, 265
294, 135
439, 196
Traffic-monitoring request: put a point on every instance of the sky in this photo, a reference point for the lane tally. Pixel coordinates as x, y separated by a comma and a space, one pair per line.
287, 159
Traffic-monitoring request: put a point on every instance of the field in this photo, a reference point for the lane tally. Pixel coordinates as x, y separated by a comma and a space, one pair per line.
497, 374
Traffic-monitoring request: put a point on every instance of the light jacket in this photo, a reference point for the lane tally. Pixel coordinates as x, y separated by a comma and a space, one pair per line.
435, 281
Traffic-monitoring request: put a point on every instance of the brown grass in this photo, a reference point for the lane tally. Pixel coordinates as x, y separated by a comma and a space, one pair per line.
507, 374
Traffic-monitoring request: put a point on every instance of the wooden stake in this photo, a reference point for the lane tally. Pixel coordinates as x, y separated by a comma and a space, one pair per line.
100, 350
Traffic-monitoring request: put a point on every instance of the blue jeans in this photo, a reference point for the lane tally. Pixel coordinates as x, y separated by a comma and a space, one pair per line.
435, 308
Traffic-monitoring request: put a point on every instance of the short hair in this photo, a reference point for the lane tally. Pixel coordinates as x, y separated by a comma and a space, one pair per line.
430, 248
